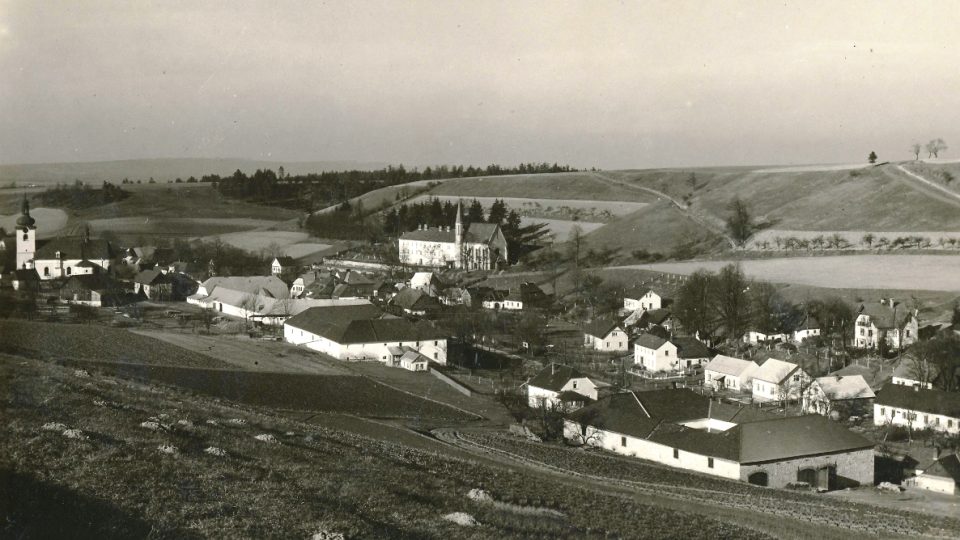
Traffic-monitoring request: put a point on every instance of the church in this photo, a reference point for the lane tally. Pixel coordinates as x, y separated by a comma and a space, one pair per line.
59, 257
478, 246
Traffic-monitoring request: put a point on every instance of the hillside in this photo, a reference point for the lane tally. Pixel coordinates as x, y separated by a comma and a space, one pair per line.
161, 169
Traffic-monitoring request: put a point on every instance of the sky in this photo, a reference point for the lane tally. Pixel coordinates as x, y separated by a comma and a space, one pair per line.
595, 83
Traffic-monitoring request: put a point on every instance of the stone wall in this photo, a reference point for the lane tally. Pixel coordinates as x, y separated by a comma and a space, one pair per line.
851, 468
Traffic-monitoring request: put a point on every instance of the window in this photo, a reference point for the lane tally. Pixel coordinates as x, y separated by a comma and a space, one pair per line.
926, 419
676, 454
949, 423
46, 271
796, 378
25, 237
623, 441
574, 385
69, 270
883, 411
710, 462
666, 353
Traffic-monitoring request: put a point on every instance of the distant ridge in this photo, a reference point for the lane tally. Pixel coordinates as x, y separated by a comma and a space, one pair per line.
161, 169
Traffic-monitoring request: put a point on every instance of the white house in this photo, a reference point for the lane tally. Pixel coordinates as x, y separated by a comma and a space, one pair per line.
848, 395
282, 266
414, 361
943, 475
239, 296
152, 284
647, 300
682, 429
755, 336
729, 373
428, 282
776, 380
884, 321
606, 335
917, 408
675, 354
479, 246
912, 371
808, 329
360, 332
547, 388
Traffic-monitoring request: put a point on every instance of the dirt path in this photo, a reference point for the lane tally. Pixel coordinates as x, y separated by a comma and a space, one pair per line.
925, 185
692, 212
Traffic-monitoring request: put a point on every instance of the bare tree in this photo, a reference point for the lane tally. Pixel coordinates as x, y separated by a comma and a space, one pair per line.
915, 148
739, 223
935, 146
589, 428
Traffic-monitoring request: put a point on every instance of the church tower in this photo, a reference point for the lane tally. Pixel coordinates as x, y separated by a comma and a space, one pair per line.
26, 237
458, 237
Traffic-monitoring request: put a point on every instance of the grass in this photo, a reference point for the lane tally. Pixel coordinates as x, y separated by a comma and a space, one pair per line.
116, 484
95, 342
580, 185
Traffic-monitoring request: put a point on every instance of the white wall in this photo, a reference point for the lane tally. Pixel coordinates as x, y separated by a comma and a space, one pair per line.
935, 483
883, 415
662, 359
435, 350
648, 301
616, 340
52, 268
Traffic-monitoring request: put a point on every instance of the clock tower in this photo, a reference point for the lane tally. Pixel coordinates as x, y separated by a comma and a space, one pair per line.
26, 232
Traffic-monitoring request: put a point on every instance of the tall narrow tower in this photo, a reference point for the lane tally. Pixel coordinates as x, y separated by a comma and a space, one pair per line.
26, 237
458, 237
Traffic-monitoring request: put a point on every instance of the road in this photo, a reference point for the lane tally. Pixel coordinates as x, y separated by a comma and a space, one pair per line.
951, 196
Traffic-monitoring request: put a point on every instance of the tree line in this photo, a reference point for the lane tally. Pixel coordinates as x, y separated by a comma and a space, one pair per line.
80, 195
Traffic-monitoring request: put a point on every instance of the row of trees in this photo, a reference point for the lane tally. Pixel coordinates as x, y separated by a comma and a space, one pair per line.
932, 148
312, 191
868, 240
724, 305
80, 195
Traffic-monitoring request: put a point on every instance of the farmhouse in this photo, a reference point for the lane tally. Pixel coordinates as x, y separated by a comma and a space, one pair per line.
875, 374
683, 429
91, 290
274, 311
729, 373
152, 284
884, 322
478, 246
553, 385
651, 317
807, 329
238, 296
943, 475
427, 282
917, 408
843, 395
283, 266
914, 372
362, 332
674, 354
415, 302
645, 300
755, 337
777, 380
606, 335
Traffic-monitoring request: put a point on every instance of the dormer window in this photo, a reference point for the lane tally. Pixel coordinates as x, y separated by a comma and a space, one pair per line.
59, 255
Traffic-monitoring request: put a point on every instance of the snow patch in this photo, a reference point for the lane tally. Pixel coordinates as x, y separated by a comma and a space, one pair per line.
462, 519
214, 451
167, 449
267, 438
327, 535
236, 422
151, 425
479, 495
53, 426
81, 373
74, 434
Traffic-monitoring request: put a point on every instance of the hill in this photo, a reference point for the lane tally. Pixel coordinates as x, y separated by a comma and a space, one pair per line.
161, 169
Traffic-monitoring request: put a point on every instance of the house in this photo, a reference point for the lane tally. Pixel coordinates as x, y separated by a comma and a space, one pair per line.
673, 354
776, 380
239, 296
413, 361
91, 290
276, 311
646, 319
943, 475
809, 328
25, 280
874, 374
152, 284
283, 266
493, 298
912, 371
917, 408
477, 246
645, 299
606, 335
546, 387
363, 332
883, 322
415, 302
300, 284
729, 373
843, 395
427, 282
756, 337
682, 429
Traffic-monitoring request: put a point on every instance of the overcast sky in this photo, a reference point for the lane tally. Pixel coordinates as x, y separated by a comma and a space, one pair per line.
607, 84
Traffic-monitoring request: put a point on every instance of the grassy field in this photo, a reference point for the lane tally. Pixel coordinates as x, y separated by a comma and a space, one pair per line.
57, 341
148, 461
658, 228
547, 206
582, 185
912, 272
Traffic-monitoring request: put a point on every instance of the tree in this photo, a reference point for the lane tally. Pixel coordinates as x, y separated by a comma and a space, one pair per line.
770, 313
730, 300
937, 356
934, 147
576, 239
692, 307
589, 428
867, 240
915, 149
739, 223
872, 157
475, 212
498, 212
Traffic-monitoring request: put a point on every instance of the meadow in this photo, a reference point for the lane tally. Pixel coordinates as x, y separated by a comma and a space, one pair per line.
547, 207
574, 185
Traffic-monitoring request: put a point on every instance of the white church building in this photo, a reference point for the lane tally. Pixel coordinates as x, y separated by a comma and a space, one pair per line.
479, 246
59, 257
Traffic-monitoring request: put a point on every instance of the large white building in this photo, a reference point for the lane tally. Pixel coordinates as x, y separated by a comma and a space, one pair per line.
478, 246
62, 257
559, 384
682, 429
885, 321
917, 408
363, 332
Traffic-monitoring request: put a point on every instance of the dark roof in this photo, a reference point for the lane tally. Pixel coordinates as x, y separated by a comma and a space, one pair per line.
655, 316
650, 341
285, 261
149, 277
414, 299
621, 413
430, 235
675, 405
476, 233
88, 282
873, 375
74, 247
947, 466
360, 324
569, 396
658, 331
881, 315
480, 232
690, 347
554, 376
601, 327
920, 399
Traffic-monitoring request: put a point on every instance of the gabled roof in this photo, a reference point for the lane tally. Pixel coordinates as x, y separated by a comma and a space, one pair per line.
920, 399
149, 277
554, 377
789, 437
729, 365
873, 375
284, 261
430, 235
808, 323
601, 328
650, 341
266, 285
690, 347
481, 232
655, 316
75, 247
774, 371
475, 233
360, 324
908, 369
318, 320
620, 413
881, 315
947, 467
414, 300
845, 387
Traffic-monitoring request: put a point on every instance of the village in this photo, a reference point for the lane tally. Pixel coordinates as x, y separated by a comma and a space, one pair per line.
781, 409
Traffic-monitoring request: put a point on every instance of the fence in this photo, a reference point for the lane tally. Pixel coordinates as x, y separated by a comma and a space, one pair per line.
456, 385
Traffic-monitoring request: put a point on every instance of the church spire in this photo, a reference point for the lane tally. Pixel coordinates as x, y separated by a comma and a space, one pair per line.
25, 220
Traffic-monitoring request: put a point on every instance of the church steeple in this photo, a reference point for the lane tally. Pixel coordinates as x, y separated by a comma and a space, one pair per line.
25, 220
458, 237
26, 236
